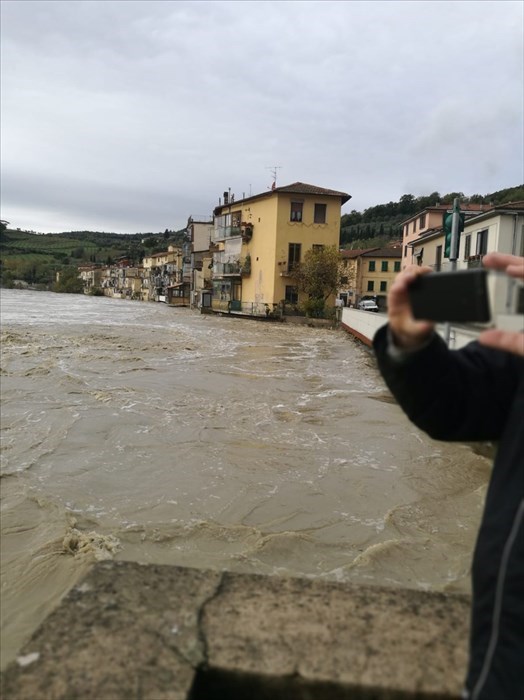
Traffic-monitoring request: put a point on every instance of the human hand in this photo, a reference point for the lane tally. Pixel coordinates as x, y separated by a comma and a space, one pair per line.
408, 333
510, 341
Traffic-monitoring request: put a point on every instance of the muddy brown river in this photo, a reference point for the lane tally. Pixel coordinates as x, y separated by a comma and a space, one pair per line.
137, 431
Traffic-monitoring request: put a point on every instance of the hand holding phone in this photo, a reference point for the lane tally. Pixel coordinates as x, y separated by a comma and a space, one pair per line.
408, 332
507, 340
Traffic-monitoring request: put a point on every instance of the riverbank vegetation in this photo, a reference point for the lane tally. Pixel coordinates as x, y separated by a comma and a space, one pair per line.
379, 225
319, 276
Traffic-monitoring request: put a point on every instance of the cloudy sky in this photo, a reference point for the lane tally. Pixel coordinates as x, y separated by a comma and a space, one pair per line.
132, 116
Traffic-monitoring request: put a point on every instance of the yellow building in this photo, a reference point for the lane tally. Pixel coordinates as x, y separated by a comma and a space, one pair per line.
350, 269
378, 269
132, 282
258, 240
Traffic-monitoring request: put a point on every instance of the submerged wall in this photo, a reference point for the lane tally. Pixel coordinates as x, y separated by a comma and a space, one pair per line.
133, 632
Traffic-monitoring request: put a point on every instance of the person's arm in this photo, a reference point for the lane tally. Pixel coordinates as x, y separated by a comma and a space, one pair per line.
452, 395
407, 333
461, 395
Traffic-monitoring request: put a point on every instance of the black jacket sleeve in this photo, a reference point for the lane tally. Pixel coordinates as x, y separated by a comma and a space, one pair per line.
462, 395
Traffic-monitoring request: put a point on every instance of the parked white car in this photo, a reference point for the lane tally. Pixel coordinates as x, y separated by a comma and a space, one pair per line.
367, 305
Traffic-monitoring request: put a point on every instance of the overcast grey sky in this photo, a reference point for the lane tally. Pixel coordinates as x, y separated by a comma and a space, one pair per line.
131, 116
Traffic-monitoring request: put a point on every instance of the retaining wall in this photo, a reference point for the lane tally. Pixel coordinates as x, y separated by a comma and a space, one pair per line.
133, 632
364, 324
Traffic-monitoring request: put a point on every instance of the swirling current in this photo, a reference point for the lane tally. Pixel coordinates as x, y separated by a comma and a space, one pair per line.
138, 431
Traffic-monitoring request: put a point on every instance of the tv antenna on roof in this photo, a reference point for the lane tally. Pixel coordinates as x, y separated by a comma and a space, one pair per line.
273, 170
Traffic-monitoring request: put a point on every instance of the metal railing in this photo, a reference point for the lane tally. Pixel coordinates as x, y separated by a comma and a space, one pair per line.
222, 232
229, 268
246, 308
292, 309
475, 261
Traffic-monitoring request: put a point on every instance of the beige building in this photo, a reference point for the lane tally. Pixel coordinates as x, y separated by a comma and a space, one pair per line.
428, 222
91, 276
162, 272
351, 274
132, 282
258, 240
200, 234
370, 273
379, 268
499, 228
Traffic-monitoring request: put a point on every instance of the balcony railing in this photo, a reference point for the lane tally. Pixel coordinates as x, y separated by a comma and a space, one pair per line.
475, 261
229, 268
443, 266
222, 232
289, 270
247, 308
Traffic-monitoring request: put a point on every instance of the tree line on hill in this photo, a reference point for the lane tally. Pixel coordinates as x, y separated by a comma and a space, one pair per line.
378, 225
36, 258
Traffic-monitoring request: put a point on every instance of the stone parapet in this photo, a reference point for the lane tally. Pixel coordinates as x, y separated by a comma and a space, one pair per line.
364, 324
133, 632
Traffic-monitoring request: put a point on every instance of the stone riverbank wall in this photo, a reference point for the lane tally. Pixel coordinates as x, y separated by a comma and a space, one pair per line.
364, 324
134, 632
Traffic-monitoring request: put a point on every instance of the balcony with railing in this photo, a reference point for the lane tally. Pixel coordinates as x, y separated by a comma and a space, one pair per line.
247, 308
289, 270
245, 230
475, 261
220, 233
227, 269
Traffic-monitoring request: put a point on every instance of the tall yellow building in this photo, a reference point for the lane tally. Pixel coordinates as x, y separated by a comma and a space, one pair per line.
258, 240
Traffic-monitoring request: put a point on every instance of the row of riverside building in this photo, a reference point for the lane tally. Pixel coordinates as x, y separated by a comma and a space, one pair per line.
241, 260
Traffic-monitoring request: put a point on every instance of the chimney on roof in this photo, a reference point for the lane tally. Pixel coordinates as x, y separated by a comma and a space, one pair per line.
226, 198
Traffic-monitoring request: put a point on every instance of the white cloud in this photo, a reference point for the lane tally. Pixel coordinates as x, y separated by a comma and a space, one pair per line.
137, 114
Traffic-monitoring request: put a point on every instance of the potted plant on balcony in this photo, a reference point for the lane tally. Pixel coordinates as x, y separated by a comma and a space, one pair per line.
245, 268
246, 231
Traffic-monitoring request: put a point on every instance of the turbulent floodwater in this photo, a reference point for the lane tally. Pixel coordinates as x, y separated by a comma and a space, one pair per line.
142, 432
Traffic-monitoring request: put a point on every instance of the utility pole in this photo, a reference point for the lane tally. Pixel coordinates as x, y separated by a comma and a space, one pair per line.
453, 251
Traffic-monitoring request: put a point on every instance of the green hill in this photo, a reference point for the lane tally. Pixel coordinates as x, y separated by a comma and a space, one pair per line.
35, 258
379, 224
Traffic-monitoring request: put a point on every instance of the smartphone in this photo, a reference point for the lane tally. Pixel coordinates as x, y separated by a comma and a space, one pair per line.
460, 296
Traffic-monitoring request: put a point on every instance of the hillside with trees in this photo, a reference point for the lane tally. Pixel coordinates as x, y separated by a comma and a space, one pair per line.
379, 225
36, 258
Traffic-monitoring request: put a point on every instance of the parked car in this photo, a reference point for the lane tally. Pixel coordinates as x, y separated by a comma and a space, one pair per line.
367, 305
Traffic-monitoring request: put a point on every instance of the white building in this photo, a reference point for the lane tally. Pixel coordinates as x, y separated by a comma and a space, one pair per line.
499, 229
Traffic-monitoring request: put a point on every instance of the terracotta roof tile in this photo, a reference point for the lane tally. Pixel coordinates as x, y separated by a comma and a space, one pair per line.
356, 252
304, 188
295, 188
510, 205
383, 253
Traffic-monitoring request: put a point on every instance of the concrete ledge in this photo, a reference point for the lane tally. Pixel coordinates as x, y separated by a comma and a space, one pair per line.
132, 632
